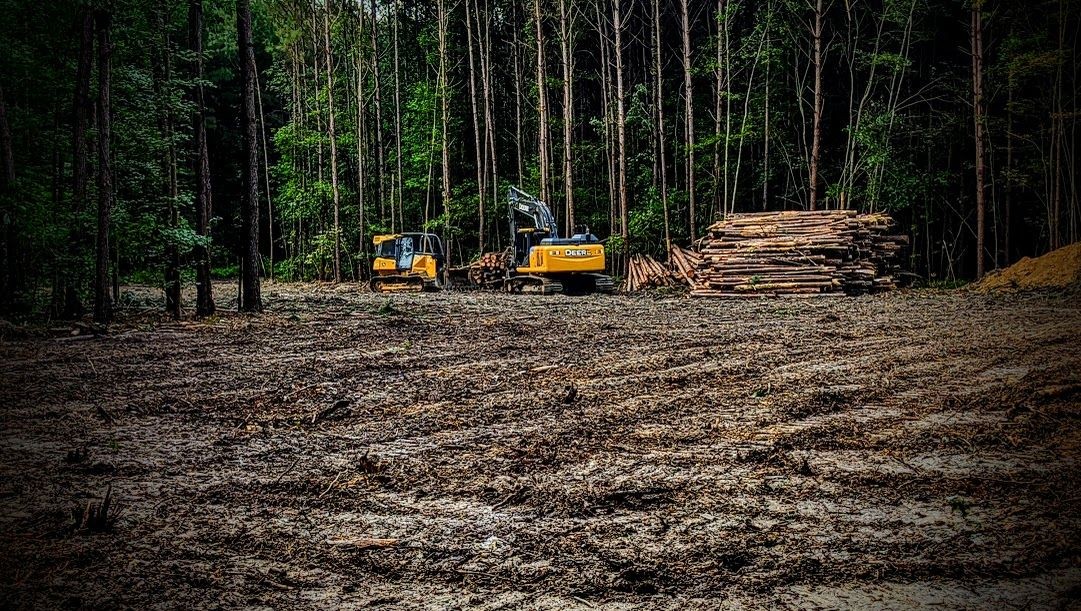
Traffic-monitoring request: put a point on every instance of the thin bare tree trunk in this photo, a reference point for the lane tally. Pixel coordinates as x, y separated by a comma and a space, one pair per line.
518, 69
1057, 136
489, 117
361, 158
103, 308
6, 149
163, 74
398, 123
978, 120
204, 290
621, 130
480, 161
765, 130
251, 298
333, 137
1008, 196
542, 104
659, 103
566, 46
381, 171
72, 279
443, 91
7, 185
606, 88
719, 73
688, 109
816, 137
266, 178
731, 203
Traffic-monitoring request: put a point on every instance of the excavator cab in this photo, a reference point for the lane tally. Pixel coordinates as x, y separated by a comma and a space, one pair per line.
407, 262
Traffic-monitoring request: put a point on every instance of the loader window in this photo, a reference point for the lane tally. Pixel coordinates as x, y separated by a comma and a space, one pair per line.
387, 250
405, 256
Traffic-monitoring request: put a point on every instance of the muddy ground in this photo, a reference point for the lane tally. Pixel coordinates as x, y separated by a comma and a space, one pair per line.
483, 450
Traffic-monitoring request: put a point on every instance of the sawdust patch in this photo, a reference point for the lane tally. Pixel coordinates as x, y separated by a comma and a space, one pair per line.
1058, 269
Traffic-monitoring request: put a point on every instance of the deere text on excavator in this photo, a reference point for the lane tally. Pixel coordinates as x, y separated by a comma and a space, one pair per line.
408, 262
542, 262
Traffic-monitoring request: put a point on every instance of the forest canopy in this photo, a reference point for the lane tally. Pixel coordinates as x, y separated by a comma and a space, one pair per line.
127, 148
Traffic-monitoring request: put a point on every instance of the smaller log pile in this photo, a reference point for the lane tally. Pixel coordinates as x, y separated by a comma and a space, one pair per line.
798, 253
684, 262
644, 272
489, 270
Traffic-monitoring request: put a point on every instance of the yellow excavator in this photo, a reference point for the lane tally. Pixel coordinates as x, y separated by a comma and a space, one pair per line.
542, 262
408, 262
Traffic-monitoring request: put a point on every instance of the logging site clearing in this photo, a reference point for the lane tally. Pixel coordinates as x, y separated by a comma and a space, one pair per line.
485, 450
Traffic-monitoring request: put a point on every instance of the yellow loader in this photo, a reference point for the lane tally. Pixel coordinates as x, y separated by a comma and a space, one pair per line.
408, 262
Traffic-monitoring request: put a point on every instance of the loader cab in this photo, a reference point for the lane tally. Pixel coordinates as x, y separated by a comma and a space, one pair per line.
406, 253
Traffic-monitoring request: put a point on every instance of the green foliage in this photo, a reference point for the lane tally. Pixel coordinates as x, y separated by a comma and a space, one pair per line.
897, 127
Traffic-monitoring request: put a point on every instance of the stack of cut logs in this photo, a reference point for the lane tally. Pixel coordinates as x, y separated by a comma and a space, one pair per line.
489, 270
684, 262
797, 253
644, 272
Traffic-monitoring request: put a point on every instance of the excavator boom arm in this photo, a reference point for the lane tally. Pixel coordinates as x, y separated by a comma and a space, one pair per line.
533, 208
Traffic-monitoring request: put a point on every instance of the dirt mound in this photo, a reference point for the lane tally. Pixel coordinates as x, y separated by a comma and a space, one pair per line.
1058, 269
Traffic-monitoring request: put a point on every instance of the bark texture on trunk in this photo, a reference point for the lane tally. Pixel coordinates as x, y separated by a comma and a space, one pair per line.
333, 137
102, 298
251, 297
816, 136
688, 109
204, 289
978, 119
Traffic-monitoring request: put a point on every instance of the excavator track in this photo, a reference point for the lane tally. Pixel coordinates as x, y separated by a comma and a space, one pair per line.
535, 285
588, 283
602, 283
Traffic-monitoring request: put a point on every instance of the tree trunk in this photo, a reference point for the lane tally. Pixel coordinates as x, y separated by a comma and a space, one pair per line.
542, 104
720, 195
480, 161
1008, 195
566, 45
361, 146
163, 76
659, 102
333, 137
7, 178
102, 300
606, 119
1058, 133
518, 69
398, 124
978, 120
489, 116
266, 178
381, 170
816, 136
688, 109
621, 131
765, 132
250, 298
72, 306
443, 94
7, 185
204, 297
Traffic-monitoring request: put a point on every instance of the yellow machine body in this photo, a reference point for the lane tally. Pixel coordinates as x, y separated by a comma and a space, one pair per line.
406, 262
565, 259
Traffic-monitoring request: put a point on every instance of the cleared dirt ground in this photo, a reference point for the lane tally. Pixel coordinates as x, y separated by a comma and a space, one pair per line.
483, 450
